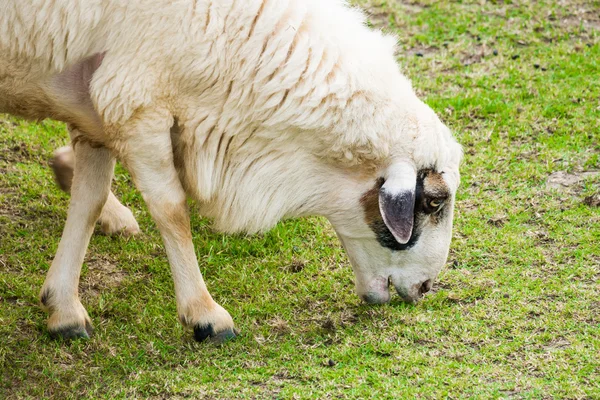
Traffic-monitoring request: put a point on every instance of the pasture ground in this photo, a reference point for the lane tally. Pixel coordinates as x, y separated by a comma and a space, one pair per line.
516, 313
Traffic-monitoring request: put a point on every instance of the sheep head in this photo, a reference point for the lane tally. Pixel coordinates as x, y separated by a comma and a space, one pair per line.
402, 231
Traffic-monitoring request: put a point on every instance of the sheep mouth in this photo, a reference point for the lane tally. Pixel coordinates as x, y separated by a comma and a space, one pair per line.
413, 296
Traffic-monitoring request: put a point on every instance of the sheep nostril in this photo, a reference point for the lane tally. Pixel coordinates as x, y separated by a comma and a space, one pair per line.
425, 287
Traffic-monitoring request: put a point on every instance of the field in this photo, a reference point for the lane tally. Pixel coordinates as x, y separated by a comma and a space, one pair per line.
515, 314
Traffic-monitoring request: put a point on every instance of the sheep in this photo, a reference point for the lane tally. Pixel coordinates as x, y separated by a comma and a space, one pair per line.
259, 110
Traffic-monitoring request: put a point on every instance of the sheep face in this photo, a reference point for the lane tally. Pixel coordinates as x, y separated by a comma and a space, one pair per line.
378, 253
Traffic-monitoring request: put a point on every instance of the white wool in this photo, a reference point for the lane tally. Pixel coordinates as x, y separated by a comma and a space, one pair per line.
280, 84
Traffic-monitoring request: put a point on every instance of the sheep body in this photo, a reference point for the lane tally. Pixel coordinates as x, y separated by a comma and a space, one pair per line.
276, 108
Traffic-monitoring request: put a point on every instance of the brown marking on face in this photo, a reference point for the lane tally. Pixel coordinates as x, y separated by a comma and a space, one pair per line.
370, 203
430, 186
434, 186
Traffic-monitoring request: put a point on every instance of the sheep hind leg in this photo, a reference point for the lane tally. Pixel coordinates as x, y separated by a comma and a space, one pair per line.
59, 295
115, 218
149, 159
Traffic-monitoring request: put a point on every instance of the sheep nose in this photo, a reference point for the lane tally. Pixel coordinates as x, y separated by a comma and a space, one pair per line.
376, 298
425, 287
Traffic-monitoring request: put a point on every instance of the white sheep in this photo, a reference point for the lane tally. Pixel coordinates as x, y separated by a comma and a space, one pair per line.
258, 109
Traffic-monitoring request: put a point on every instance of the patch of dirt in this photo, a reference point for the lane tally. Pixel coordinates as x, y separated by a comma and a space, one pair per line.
421, 51
279, 325
564, 180
412, 6
498, 220
17, 153
11, 299
378, 15
476, 55
588, 20
469, 205
438, 285
329, 325
296, 266
348, 318
102, 274
557, 344
378, 18
592, 201
8, 205
541, 236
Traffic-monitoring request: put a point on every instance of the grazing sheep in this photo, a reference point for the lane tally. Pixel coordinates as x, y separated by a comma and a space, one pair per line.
258, 109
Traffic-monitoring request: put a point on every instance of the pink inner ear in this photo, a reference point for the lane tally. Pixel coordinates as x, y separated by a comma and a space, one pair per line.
397, 210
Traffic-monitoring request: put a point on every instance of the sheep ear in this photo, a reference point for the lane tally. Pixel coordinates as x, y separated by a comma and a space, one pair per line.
397, 200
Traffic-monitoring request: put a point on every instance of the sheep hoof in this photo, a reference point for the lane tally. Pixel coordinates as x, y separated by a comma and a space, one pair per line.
207, 333
71, 332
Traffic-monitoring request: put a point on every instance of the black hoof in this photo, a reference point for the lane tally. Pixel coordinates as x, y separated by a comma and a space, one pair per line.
73, 332
207, 332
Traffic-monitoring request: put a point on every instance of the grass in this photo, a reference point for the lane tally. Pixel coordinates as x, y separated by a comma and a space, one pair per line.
516, 314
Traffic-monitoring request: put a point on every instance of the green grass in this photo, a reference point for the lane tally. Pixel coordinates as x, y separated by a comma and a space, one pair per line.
515, 314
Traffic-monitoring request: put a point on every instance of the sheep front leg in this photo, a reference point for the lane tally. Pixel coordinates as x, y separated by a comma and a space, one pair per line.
147, 153
59, 295
115, 217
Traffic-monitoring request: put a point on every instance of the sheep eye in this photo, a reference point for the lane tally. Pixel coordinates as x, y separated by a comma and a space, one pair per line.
435, 203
